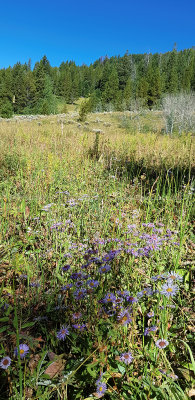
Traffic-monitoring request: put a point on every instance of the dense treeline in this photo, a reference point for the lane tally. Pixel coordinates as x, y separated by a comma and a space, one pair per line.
114, 82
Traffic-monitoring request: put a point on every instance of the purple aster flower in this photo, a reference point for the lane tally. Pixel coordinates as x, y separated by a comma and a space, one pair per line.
161, 343
23, 276
76, 315
131, 299
56, 225
71, 202
73, 246
101, 388
133, 252
80, 294
111, 255
123, 293
131, 227
118, 301
23, 350
149, 330
95, 260
76, 275
109, 298
5, 362
67, 255
126, 358
62, 333
92, 283
145, 292
169, 290
67, 286
35, 284
66, 267
173, 276
104, 268
149, 225
78, 284
99, 379
157, 230
150, 314
124, 317
80, 327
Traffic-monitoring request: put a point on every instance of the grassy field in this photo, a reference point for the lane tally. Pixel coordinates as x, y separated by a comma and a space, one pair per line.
96, 258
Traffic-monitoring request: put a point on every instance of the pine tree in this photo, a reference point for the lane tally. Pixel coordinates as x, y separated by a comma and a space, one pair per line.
142, 90
30, 90
39, 79
6, 93
172, 81
65, 85
47, 103
154, 86
111, 92
19, 92
127, 95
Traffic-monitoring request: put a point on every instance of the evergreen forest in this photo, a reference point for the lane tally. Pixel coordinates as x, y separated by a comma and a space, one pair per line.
116, 83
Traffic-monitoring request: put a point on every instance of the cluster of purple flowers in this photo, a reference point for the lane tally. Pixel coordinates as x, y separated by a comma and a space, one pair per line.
56, 226
5, 362
119, 303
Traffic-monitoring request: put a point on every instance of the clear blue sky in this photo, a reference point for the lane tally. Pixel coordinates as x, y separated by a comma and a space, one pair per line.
85, 30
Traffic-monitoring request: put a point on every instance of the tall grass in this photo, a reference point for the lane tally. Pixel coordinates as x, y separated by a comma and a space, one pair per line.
108, 213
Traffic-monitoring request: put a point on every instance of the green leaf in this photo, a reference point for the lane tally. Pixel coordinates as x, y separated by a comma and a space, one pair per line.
4, 319
121, 369
91, 371
27, 325
191, 355
4, 328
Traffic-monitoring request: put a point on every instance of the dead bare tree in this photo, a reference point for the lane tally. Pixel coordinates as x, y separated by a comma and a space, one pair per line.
179, 112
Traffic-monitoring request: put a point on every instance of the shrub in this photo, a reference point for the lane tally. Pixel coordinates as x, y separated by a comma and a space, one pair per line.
85, 107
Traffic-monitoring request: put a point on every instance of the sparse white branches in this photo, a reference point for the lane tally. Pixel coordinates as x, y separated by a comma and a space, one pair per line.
179, 112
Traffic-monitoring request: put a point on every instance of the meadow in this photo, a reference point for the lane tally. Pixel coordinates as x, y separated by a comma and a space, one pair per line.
96, 253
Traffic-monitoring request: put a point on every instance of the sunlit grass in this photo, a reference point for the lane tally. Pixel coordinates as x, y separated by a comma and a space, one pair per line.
89, 195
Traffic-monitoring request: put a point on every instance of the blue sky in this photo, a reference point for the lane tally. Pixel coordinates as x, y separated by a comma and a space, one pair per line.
85, 30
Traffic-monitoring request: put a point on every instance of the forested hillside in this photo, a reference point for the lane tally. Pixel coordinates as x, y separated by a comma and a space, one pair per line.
113, 83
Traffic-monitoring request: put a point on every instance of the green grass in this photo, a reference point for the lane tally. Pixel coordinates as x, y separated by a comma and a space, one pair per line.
99, 178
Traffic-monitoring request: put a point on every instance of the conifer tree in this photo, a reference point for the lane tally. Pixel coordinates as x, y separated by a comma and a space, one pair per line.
111, 92
128, 93
6, 93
